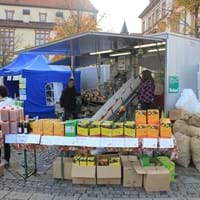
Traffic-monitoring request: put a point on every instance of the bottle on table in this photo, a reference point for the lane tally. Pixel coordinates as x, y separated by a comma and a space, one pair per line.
20, 128
26, 127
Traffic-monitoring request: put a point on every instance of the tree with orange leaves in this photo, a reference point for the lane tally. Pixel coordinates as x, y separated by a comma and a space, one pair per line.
178, 15
76, 23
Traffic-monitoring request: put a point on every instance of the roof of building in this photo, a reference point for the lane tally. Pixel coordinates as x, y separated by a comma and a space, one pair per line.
151, 4
124, 29
84, 5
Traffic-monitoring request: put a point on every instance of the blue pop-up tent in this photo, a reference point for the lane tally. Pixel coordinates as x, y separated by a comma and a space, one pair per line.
38, 73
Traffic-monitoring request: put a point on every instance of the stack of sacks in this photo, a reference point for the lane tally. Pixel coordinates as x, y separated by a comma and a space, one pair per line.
187, 134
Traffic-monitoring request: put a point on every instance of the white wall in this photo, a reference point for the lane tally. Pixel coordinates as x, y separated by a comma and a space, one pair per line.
183, 57
89, 76
34, 15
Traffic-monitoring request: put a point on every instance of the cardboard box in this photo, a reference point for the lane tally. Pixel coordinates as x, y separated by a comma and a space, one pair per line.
83, 161
141, 130
48, 127
107, 128
153, 116
76, 161
114, 161
118, 129
108, 175
83, 128
58, 128
71, 128
165, 128
140, 116
95, 128
129, 158
130, 176
57, 169
91, 161
84, 175
129, 129
1, 169
153, 131
156, 178
37, 127
176, 114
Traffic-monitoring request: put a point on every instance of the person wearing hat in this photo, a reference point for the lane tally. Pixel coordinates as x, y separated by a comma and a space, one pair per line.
146, 91
68, 100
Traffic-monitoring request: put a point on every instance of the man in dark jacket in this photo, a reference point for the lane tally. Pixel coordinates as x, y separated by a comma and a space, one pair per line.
68, 100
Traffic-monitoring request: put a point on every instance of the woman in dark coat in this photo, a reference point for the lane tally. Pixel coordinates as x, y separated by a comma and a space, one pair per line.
146, 91
68, 100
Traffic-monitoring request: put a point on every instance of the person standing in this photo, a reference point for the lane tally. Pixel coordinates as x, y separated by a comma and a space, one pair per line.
146, 91
5, 101
68, 100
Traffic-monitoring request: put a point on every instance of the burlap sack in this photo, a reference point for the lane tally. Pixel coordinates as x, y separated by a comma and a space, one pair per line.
183, 145
187, 115
195, 149
181, 126
194, 120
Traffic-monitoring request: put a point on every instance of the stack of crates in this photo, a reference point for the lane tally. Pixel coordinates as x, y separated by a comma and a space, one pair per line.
168, 164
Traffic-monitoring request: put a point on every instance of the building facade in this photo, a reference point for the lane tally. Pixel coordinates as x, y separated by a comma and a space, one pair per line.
162, 15
28, 23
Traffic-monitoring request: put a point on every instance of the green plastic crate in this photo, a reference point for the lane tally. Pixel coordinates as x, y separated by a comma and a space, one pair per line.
145, 160
168, 164
71, 128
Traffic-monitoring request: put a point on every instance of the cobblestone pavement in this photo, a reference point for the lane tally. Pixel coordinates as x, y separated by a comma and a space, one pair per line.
44, 187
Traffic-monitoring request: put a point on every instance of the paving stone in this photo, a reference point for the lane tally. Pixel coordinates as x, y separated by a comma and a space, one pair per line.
42, 197
166, 198
18, 196
3, 193
64, 198
143, 199
193, 198
106, 199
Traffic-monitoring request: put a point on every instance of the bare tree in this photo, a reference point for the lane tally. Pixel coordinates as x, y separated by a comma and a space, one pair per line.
7, 48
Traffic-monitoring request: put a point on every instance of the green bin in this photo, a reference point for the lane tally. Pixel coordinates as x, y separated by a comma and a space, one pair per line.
145, 160
71, 128
168, 164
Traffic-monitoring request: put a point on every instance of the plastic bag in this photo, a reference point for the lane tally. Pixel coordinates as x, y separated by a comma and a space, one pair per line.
188, 101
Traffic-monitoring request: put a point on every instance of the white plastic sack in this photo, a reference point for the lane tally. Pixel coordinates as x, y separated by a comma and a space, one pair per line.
188, 101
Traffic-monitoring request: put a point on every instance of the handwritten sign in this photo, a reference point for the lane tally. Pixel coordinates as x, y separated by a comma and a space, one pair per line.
150, 143
166, 143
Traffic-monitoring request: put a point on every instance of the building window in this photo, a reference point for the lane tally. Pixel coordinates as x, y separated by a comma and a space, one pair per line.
7, 38
9, 14
59, 14
149, 22
41, 37
143, 26
163, 9
43, 17
157, 14
26, 12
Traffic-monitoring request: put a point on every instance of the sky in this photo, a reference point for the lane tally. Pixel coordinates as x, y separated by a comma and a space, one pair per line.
114, 13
